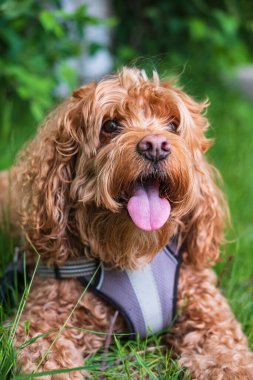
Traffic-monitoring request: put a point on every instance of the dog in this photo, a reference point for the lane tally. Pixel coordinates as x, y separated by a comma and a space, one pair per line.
115, 174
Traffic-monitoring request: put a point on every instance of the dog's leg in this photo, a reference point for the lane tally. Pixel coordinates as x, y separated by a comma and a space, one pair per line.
207, 336
63, 355
49, 306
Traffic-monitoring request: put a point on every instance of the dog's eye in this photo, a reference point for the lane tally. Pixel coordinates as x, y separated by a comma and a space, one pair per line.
111, 126
172, 126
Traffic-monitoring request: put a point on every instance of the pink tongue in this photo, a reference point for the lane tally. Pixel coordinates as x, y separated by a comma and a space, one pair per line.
147, 210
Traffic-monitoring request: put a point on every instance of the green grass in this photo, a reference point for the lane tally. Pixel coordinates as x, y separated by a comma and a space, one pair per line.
231, 117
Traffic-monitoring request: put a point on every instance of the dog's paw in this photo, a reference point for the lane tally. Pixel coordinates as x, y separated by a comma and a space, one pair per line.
229, 366
40, 358
231, 374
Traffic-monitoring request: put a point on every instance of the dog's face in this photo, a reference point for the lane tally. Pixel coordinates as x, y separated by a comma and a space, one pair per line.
131, 151
143, 159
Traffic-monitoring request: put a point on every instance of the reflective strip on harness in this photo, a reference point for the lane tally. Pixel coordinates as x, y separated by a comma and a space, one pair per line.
145, 297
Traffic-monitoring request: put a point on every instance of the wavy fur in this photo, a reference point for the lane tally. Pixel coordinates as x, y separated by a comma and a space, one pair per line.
73, 182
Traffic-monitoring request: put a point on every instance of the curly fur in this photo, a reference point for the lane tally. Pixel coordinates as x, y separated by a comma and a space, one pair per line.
73, 180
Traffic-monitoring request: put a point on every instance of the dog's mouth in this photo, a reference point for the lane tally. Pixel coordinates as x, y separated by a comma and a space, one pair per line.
147, 205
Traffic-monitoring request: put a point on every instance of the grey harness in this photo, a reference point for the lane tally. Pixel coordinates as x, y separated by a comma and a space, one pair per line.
146, 297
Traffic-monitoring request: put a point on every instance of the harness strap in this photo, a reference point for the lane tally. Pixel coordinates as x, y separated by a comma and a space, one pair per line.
71, 269
145, 297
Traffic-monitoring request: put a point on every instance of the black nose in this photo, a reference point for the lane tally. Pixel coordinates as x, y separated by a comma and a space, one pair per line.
154, 148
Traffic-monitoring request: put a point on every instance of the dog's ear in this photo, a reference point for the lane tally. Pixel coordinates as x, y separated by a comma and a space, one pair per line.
204, 225
46, 170
84, 91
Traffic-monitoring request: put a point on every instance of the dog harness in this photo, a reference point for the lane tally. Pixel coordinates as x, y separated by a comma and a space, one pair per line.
145, 297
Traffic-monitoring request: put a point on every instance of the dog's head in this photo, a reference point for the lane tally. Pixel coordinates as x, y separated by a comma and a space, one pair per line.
117, 170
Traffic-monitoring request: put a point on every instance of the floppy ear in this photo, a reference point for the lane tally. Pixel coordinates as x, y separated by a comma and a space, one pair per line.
47, 168
204, 225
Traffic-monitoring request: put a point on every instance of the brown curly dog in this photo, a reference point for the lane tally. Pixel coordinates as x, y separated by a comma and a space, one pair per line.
114, 172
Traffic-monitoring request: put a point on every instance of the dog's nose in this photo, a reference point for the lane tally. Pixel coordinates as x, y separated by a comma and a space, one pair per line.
154, 148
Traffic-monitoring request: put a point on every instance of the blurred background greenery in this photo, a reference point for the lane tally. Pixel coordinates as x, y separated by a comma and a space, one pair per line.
201, 42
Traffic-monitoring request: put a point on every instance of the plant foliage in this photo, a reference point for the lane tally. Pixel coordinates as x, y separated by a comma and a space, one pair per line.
37, 39
210, 36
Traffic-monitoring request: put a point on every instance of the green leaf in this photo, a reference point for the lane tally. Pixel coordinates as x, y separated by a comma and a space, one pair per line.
228, 23
50, 23
47, 20
198, 29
